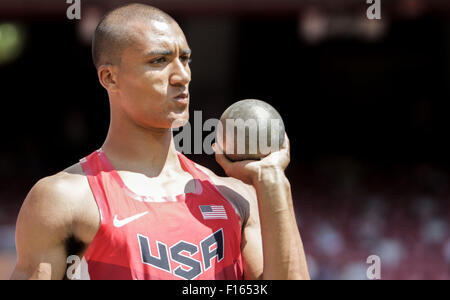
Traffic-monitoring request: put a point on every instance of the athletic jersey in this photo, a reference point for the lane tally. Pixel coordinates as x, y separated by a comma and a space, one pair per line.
194, 235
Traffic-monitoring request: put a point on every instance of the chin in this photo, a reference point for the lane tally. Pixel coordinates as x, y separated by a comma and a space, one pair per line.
179, 123
179, 120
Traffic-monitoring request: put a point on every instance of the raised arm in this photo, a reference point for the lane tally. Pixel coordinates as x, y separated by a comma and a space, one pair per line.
272, 246
43, 225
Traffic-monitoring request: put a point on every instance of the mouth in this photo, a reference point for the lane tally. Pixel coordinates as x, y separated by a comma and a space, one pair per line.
182, 98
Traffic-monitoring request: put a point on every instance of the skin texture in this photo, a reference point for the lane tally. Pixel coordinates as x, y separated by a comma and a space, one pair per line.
59, 216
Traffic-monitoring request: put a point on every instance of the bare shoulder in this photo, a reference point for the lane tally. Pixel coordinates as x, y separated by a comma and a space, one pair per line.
47, 219
57, 195
241, 195
65, 186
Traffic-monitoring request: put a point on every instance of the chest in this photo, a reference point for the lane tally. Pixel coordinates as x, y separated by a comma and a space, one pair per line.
188, 239
88, 218
167, 185
190, 223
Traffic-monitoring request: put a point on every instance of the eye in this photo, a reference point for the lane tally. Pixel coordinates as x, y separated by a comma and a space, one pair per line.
158, 60
186, 59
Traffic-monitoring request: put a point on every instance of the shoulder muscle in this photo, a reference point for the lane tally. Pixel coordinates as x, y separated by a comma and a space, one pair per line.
44, 223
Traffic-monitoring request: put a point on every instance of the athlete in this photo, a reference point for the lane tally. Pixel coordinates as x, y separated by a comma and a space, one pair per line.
136, 208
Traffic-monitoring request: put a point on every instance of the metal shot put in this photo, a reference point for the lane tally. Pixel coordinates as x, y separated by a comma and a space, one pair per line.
250, 130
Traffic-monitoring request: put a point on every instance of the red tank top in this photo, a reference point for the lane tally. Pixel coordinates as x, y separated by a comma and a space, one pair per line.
191, 236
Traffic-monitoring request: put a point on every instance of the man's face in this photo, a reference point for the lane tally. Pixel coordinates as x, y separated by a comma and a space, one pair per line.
153, 76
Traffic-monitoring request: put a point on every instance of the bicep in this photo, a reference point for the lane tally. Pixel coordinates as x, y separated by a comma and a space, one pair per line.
40, 234
252, 254
251, 246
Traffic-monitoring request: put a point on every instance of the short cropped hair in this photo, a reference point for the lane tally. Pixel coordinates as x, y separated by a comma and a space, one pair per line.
112, 34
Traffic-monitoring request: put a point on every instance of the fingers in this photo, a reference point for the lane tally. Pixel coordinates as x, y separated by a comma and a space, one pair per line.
282, 156
286, 143
287, 147
221, 159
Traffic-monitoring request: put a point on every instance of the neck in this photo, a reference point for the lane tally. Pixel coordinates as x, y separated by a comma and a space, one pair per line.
150, 151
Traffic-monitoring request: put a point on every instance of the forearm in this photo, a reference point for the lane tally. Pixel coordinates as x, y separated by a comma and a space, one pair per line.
283, 252
300, 249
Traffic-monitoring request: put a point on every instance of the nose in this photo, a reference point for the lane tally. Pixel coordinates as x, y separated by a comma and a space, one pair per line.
181, 74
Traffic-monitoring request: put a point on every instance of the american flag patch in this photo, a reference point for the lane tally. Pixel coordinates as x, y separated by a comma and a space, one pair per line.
213, 212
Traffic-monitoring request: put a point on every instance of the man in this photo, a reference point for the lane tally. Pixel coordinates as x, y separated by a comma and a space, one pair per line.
138, 209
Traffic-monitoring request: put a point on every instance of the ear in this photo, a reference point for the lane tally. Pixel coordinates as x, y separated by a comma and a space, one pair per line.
107, 75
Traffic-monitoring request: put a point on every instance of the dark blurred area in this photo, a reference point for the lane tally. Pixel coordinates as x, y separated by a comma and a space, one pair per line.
365, 104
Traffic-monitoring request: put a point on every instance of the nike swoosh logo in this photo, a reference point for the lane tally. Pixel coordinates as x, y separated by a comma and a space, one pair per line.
119, 223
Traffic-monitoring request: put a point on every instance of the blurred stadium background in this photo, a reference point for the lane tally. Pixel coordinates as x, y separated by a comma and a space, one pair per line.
365, 102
